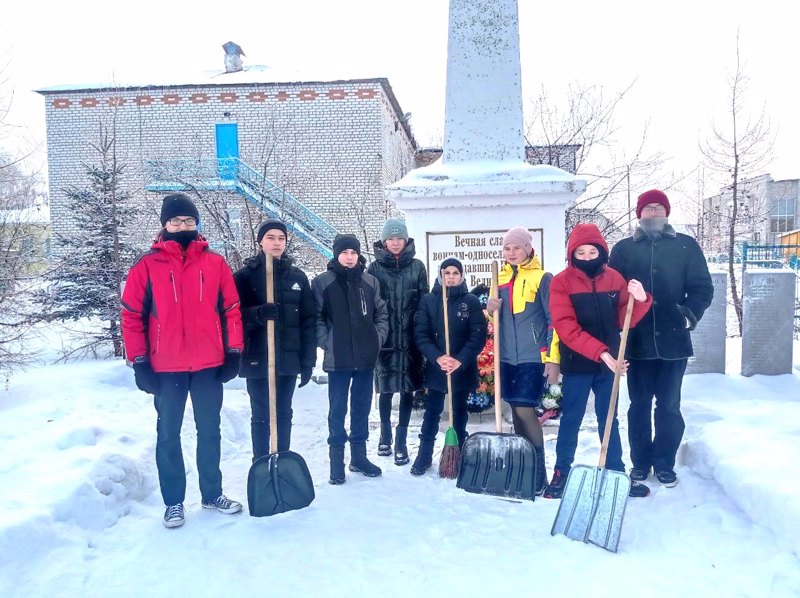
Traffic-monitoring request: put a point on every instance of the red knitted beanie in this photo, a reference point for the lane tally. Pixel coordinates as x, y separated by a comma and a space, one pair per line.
652, 196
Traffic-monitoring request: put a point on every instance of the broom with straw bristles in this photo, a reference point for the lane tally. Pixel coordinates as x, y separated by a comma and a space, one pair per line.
451, 454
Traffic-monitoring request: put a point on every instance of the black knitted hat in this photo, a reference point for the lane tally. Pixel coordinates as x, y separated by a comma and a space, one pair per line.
270, 224
178, 204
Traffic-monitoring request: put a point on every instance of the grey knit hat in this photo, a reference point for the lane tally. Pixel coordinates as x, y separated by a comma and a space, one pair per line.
394, 227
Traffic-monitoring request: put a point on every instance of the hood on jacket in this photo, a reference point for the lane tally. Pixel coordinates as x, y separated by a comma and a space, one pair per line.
385, 257
161, 244
259, 261
461, 289
586, 234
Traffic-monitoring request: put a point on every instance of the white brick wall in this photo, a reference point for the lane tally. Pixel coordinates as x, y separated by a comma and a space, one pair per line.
334, 145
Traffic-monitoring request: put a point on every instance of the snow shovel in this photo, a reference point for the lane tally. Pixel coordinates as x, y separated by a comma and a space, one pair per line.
594, 499
280, 481
495, 463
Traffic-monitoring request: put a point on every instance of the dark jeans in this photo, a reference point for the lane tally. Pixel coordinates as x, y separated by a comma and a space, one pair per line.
206, 391
434, 405
575, 388
659, 378
406, 404
258, 389
358, 385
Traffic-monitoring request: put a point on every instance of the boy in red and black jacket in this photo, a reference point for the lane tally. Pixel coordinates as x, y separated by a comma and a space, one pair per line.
183, 334
587, 304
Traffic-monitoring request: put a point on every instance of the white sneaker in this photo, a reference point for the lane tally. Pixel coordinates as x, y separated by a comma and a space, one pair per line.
173, 516
223, 505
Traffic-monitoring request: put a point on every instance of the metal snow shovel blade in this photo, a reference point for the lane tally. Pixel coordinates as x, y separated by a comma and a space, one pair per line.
280, 481
593, 505
594, 499
498, 464
495, 463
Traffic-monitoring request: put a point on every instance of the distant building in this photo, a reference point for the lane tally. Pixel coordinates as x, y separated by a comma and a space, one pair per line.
316, 152
766, 209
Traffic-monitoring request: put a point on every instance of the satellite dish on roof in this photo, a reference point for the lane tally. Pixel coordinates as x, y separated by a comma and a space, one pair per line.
233, 54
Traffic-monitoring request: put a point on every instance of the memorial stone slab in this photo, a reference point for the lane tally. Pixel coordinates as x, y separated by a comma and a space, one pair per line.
768, 301
708, 338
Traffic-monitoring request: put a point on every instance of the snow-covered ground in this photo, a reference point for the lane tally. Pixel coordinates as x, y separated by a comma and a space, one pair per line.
82, 511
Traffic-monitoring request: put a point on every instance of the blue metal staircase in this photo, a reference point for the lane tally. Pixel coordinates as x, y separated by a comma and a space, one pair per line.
231, 174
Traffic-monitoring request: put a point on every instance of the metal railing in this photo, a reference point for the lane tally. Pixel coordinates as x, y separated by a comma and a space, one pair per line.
231, 174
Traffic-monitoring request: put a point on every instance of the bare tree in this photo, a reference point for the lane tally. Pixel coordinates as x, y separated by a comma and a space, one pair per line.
586, 124
23, 232
738, 149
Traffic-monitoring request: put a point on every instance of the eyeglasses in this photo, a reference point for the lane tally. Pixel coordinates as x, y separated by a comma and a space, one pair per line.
654, 209
190, 222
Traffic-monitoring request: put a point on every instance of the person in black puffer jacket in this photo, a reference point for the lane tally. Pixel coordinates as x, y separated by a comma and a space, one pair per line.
352, 324
399, 369
467, 328
294, 314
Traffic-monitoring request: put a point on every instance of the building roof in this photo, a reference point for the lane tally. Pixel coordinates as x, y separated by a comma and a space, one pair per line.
250, 75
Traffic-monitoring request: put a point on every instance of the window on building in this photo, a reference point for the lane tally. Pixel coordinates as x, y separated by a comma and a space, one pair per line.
782, 215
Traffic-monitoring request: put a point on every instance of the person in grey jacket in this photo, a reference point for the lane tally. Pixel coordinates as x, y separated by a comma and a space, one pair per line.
352, 325
672, 267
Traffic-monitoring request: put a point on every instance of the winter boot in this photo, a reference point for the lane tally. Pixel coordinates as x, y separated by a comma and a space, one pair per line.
556, 487
638, 490
639, 474
359, 462
336, 454
400, 449
424, 458
541, 471
385, 441
667, 478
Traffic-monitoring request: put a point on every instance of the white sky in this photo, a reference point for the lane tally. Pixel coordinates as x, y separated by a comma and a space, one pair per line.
679, 53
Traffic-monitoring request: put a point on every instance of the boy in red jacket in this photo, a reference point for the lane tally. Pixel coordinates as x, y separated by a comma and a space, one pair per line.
183, 333
587, 304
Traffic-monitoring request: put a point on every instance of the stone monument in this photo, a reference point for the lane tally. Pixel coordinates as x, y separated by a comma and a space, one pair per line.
482, 186
708, 338
767, 323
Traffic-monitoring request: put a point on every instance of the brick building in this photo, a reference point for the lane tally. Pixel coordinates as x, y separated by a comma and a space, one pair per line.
318, 153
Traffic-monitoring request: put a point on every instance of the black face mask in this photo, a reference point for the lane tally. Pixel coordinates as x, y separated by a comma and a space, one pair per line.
182, 237
590, 267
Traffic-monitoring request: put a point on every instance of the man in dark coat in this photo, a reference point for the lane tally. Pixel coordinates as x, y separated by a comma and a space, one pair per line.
671, 266
294, 314
467, 335
399, 369
352, 325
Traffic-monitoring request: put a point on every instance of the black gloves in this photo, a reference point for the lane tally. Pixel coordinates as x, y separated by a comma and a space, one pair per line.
146, 379
269, 311
305, 376
229, 369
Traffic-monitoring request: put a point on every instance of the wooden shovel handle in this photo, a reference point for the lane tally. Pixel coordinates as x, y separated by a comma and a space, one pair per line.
498, 409
447, 352
271, 377
612, 404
